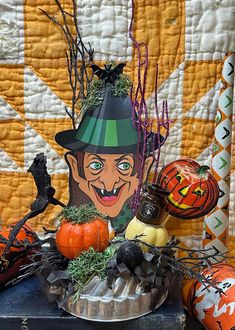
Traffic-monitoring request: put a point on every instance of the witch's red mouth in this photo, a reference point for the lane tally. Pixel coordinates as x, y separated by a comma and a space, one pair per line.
108, 198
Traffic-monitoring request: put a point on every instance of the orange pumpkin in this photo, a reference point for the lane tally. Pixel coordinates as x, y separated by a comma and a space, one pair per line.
194, 191
84, 229
214, 310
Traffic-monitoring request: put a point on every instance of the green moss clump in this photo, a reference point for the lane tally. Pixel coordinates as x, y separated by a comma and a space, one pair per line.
95, 96
122, 86
82, 214
88, 265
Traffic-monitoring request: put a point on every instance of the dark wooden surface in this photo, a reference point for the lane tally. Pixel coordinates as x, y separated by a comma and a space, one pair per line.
25, 307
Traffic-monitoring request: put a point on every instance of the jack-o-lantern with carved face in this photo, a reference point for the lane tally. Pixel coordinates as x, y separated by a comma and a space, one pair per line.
194, 191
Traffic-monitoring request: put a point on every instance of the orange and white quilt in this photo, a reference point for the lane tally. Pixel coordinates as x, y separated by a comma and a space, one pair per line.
188, 39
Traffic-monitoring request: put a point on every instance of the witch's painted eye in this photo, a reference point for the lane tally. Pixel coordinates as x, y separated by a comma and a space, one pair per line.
198, 191
124, 166
96, 165
179, 177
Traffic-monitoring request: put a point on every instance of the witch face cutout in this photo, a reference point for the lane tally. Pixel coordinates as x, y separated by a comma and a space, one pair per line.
103, 159
108, 180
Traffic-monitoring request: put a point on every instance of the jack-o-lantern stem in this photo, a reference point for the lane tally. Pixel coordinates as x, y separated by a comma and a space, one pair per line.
202, 170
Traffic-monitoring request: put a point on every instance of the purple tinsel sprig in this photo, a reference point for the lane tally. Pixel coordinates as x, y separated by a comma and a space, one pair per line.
140, 116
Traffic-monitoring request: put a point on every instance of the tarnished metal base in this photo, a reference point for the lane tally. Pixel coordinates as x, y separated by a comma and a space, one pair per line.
25, 306
125, 301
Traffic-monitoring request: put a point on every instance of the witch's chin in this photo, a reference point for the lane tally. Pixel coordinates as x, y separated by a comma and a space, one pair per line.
110, 211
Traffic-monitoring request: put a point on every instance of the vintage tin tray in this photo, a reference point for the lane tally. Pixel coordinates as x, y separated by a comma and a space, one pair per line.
125, 301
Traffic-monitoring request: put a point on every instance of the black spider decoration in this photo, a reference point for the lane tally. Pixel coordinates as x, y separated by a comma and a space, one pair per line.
108, 74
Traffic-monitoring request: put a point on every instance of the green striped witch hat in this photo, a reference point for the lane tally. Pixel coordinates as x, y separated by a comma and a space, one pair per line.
107, 129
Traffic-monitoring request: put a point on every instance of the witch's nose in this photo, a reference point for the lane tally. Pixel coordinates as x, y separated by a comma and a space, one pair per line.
109, 181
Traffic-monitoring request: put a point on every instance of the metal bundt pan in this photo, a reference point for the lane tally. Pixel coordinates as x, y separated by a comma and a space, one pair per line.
125, 301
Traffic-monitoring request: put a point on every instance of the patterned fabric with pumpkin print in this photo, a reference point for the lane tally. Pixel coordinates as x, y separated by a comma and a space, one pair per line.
212, 309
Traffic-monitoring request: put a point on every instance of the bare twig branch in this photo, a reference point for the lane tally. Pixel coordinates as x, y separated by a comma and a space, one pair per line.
192, 265
78, 57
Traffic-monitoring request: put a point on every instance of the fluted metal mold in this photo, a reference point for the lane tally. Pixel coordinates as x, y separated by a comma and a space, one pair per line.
126, 300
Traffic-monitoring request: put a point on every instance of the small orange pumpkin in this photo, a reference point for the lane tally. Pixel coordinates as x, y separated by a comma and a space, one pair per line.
194, 191
80, 229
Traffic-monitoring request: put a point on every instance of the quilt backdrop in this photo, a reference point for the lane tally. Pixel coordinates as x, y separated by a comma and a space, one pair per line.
188, 39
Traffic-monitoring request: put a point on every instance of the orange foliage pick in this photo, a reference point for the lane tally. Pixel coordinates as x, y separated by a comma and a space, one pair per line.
16, 257
21, 236
81, 228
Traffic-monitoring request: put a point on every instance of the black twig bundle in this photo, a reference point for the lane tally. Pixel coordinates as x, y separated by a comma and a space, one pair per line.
79, 56
190, 266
